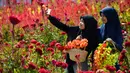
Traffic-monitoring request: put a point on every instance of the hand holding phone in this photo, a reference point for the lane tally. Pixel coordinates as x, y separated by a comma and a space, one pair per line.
47, 10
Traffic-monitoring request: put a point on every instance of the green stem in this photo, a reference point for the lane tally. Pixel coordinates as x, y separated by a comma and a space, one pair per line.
12, 36
37, 58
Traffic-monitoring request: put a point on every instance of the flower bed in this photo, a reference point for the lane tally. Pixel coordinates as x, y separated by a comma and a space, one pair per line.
34, 45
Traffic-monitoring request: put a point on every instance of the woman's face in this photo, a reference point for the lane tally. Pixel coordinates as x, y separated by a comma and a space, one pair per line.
81, 24
104, 19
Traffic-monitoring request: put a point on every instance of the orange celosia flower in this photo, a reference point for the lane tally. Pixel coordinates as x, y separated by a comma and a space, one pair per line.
77, 44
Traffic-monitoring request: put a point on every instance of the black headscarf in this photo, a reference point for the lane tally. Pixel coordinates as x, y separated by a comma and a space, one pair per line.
90, 25
112, 27
90, 32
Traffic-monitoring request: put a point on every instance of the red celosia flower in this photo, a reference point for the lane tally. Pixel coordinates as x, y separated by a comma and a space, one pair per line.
63, 33
128, 23
22, 42
40, 3
87, 72
32, 65
33, 25
61, 48
23, 60
121, 57
52, 43
80, 72
38, 43
42, 45
25, 27
58, 45
38, 50
100, 71
127, 44
123, 31
33, 41
41, 29
67, 19
1, 70
123, 51
21, 35
14, 20
64, 65
67, 47
47, 63
58, 64
119, 71
30, 46
25, 67
37, 20
6, 44
120, 63
128, 71
110, 68
125, 67
42, 70
18, 45
54, 62
50, 49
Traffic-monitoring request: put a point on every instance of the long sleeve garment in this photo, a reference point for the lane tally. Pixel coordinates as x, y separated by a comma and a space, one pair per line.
111, 29
72, 32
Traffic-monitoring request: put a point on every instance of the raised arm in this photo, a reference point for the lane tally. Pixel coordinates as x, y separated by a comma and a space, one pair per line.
58, 24
55, 21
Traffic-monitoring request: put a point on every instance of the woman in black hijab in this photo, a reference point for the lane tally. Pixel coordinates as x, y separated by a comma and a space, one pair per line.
87, 29
111, 29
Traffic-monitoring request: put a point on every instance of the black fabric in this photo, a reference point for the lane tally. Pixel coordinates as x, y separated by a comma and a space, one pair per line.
112, 27
90, 33
70, 69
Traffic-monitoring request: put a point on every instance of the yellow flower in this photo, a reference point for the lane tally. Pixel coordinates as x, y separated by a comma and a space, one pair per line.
39, 9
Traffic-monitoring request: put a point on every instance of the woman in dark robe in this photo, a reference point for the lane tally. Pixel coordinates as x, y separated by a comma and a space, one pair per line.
111, 29
87, 29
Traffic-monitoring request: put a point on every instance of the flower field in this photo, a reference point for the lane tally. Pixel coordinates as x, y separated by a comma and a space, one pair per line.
29, 43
